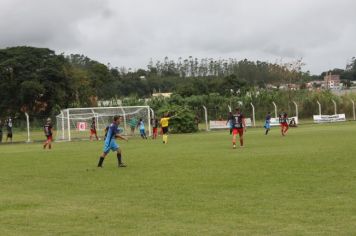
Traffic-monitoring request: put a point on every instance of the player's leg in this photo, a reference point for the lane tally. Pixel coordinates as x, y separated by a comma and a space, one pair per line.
119, 158
96, 136
286, 127
101, 159
106, 150
50, 142
282, 130
164, 136
241, 137
234, 134
267, 128
45, 143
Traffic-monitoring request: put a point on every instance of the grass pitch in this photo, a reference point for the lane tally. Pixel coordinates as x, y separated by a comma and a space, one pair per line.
301, 184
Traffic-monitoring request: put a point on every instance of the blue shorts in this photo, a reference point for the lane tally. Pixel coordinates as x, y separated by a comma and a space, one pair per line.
142, 131
112, 145
267, 125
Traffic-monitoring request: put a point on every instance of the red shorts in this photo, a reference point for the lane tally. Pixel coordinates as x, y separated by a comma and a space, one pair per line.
155, 130
239, 131
49, 138
284, 125
92, 131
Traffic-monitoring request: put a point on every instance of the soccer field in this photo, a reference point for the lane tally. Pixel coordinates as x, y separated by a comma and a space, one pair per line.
301, 184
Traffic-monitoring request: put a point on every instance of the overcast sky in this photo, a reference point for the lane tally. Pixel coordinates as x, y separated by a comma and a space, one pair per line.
131, 32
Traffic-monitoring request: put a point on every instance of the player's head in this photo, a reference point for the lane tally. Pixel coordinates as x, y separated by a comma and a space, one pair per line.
49, 120
237, 110
93, 119
117, 119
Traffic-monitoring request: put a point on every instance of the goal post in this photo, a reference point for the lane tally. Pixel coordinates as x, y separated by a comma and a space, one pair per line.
74, 123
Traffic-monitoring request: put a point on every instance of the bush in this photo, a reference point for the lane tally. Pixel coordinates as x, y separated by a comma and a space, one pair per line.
183, 118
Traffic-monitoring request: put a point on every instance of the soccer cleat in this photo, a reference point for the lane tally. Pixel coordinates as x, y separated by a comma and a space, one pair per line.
234, 146
122, 165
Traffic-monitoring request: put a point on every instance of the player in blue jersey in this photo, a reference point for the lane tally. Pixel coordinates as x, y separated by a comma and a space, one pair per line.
267, 125
230, 121
141, 126
110, 143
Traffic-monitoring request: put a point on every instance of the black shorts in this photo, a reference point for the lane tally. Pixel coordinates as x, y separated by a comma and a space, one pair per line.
165, 130
9, 135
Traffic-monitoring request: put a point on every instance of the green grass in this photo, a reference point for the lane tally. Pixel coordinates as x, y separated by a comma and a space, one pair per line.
301, 184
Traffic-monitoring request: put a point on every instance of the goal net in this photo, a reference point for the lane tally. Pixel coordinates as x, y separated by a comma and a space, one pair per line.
75, 123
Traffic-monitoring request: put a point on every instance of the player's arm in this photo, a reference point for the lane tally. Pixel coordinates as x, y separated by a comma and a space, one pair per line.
244, 123
118, 136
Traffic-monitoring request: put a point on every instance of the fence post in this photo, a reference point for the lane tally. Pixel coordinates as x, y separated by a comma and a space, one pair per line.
149, 121
353, 108
28, 127
335, 108
253, 115
68, 123
206, 118
296, 109
275, 109
319, 107
62, 117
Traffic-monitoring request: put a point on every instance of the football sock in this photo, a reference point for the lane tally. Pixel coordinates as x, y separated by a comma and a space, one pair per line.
119, 158
101, 160
267, 131
241, 142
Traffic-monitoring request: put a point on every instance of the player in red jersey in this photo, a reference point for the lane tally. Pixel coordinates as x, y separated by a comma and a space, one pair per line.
93, 129
283, 120
239, 127
47, 128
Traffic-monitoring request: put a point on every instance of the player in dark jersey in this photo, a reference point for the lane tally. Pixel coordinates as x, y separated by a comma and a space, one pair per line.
283, 120
47, 128
239, 126
9, 126
154, 124
93, 130
1, 126
267, 125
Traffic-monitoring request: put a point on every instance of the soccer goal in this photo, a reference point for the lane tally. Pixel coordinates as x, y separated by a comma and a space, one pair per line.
75, 123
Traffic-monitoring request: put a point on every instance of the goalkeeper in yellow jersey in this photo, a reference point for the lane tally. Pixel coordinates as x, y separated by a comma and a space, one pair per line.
164, 122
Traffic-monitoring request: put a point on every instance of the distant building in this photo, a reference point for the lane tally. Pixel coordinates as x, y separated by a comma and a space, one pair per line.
315, 84
332, 81
165, 95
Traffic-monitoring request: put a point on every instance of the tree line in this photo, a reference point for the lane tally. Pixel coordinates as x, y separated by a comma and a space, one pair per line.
40, 82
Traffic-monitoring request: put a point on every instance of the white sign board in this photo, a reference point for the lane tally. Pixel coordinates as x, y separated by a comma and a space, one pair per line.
329, 118
82, 126
275, 121
222, 124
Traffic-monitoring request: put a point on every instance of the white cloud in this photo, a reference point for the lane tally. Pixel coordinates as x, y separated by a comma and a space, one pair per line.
130, 32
